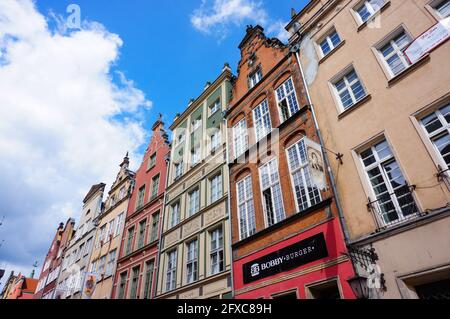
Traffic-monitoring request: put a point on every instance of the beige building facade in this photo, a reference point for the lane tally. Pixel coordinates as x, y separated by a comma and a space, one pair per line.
110, 224
385, 119
75, 263
195, 253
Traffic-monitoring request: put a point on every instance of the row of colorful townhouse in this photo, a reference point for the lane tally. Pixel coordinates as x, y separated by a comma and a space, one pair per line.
320, 171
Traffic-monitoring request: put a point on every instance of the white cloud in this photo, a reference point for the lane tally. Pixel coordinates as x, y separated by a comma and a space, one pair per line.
61, 98
216, 18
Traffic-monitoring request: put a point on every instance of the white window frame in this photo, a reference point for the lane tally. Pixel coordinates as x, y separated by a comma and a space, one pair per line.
119, 224
255, 77
216, 187
245, 199
240, 138
216, 106
370, 9
178, 169
379, 163
175, 214
437, 133
305, 174
192, 261
194, 201
196, 153
286, 92
435, 4
327, 38
271, 186
390, 40
343, 75
215, 140
171, 273
111, 263
260, 121
217, 236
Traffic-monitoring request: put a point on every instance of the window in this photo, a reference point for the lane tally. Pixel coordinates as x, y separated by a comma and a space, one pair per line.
134, 283
101, 238
394, 201
180, 138
442, 8
194, 202
88, 247
171, 270
130, 241
216, 255
175, 214
178, 169
155, 186
112, 201
216, 106
155, 226
122, 284
216, 187
140, 199
148, 282
287, 100
437, 127
255, 77
215, 140
329, 42
119, 224
261, 119
111, 228
246, 210
368, 8
111, 263
195, 155
392, 53
191, 262
196, 123
101, 265
349, 90
141, 235
122, 192
151, 161
306, 193
240, 138
80, 252
271, 193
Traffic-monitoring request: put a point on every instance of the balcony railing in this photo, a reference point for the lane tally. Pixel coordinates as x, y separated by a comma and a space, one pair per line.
391, 209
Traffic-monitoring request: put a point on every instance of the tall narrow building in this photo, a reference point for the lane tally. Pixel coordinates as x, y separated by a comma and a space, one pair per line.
135, 276
77, 255
287, 237
379, 80
46, 288
195, 255
110, 224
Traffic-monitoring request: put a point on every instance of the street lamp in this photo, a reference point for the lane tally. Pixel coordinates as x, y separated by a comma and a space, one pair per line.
359, 286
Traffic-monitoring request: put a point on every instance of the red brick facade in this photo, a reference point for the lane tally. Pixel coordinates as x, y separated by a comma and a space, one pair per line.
277, 65
147, 212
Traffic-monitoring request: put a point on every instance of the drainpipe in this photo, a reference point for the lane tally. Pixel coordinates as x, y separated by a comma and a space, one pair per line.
229, 206
324, 152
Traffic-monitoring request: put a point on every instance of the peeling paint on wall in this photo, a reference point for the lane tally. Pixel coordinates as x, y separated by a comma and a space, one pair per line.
310, 59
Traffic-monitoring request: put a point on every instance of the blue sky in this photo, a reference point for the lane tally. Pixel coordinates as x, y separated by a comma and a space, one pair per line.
74, 102
167, 58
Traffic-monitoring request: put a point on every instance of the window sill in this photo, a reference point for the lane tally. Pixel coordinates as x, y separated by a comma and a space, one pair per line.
331, 52
408, 70
364, 100
372, 17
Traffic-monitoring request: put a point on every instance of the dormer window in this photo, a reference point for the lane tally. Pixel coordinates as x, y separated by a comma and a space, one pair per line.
255, 77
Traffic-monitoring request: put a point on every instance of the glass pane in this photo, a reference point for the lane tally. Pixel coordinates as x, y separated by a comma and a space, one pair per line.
443, 145
395, 64
325, 47
364, 14
358, 91
368, 157
387, 49
383, 150
346, 99
335, 39
446, 112
431, 123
